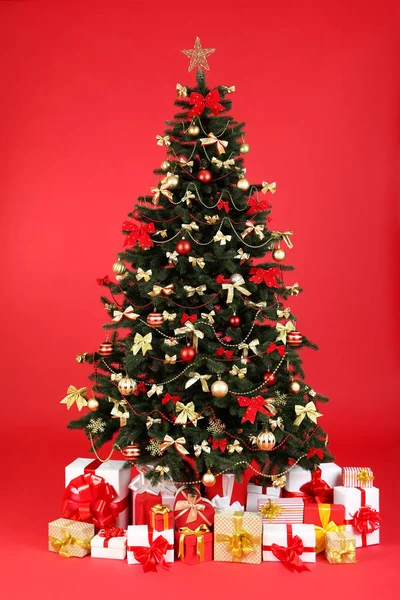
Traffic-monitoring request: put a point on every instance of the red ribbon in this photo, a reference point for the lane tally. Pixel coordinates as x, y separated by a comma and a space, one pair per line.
315, 452
257, 205
221, 279
151, 556
103, 280
141, 387
111, 532
200, 102
222, 352
221, 444
168, 398
268, 276
139, 233
290, 555
254, 405
272, 347
365, 520
223, 205
191, 318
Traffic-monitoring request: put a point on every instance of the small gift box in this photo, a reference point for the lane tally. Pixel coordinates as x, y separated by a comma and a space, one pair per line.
324, 517
193, 546
313, 487
223, 503
281, 510
97, 492
237, 536
145, 495
361, 513
191, 510
227, 486
340, 547
161, 517
150, 548
259, 492
70, 538
362, 477
293, 545
109, 543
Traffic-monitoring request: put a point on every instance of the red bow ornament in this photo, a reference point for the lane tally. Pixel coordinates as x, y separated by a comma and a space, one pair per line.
253, 406
88, 498
223, 205
227, 353
103, 280
317, 490
139, 233
200, 102
165, 399
315, 452
191, 318
141, 387
257, 205
152, 556
219, 444
366, 520
268, 276
272, 347
290, 556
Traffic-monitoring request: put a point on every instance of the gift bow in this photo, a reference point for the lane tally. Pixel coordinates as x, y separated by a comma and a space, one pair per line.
191, 291
212, 139
189, 328
190, 226
290, 556
366, 520
88, 498
272, 347
158, 289
170, 360
194, 377
269, 276
268, 187
200, 102
199, 533
212, 220
242, 256
284, 330
246, 347
283, 235
142, 274
251, 228
192, 505
283, 314
293, 290
324, 511
229, 89
197, 262
150, 422
187, 412
188, 197
235, 371
182, 90
162, 470
61, 545
186, 163
317, 490
241, 543
208, 317
231, 287
168, 316
274, 423
364, 476
111, 532
163, 189
118, 411
75, 395
172, 257
220, 237
235, 447
203, 447
142, 343
346, 553
309, 410
226, 164
178, 443
155, 389
128, 313
139, 233
161, 140
152, 556
257, 205
253, 406
271, 510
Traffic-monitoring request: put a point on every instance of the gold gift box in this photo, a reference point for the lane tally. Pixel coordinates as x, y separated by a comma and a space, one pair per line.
237, 536
340, 547
70, 538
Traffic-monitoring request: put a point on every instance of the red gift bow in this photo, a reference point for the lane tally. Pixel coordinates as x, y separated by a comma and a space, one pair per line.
290, 556
366, 520
168, 397
317, 490
268, 276
223, 205
200, 102
139, 233
192, 505
152, 556
219, 444
315, 452
103, 280
88, 498
221, 279
191, 318
141, 387
254, 405
222, 352
111, 532
257, 205
272, 347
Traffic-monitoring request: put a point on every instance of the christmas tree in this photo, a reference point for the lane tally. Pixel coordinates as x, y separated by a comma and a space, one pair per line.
200, 373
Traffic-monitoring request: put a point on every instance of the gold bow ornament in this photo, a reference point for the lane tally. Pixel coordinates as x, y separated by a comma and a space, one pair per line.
226, 164
242, 256
212, 139
191, 291
178, 444
188, 197
199, 533
158, 289
268, 187
163, 189
246, 347
212, 220
340, 547
228, 89
142, 343
309, 410
186, 163
251, 228
155, 389
195, 377
203, 447
172, 257
283, 235
163, 140
170, 360
168, 316
190, 226
271, 511
197, 262
293, 290
77, 396
181, 90
190, 328
186, 413
208, 317
283, 330
236, 372
128, 314
241, 543
150, 422
70, 538
283, 314
165, 511
119, 411
163, 470
220, 237
324, 513
232, 287
235, 447
192, 506
274, 423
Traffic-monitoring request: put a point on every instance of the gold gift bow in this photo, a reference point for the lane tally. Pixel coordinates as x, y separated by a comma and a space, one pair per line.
268, 187
172, 257
61, 545
188, 197
156, 388
324, 511
162, 470
293, 289
251, 228
271, 510
284, 330
309, 410
75, 395
160, 509
212, 220
181, 90
191, 504
142, 343
242, 256
158, 289
363, 476
163, 189
208, 317
186, 412
235, 371
220, 237
283, 235
346, 553
235, 447
203, 447
246, 347
231, 287
241, 542
168, 316
197, 262
170, 360
128, 313
226, 164
142, 274
283, 314
150, 422
194, 377
161, 140
212, 139
199, 533
162, 232
178, 443
118, 412
228, 89
191, 291
274, 423
186, 163
190, 226
190, 328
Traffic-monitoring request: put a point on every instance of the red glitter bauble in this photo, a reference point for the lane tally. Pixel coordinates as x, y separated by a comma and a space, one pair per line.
106, 349
187, 353
294, 338
204, 175
235, 321
183, 247
270, 378
155, 319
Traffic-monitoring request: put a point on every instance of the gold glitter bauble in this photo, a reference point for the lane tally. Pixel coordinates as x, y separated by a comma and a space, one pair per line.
209, 479
119, 268
193, 130
294, 387
266, 440
92, 404
244, 148
243, 184
219, 389
165, 165
278, 254
172, 181
127, 386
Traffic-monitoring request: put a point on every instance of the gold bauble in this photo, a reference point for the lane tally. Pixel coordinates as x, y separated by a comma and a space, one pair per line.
172, 181
165, 165
235, 278
119, 268
209, 479
194, 130
266, 440
244, 148
92, 404
243, 184
127, 386
219, 389
131, 452
294, 387
278, 254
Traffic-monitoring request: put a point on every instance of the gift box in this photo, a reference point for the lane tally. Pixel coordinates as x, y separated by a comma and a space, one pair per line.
313, 487
109, 543
237, 536
97, 492
149, 547
145, 495
324, 517
361, 513
224, 503
340, 547
291, 544
362, 477
191, 510
281, 510
70, 538
193, 546
161, 517
227, 486
259, 492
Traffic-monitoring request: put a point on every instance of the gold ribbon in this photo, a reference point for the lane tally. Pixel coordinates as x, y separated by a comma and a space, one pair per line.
61, 545
220, 237
271, 510
186, 163
284, 330
190, 328
283, 235
181, 90
81, 357
209, 317
75, 395
142, 343
226, 164
228, 89
163, 140
158, 289
191, 291
268, 187
324, 511
242, 256
343, 550
170, 360
246, 347
172, 257
364, 476
162, 470
194, 377
274, 423
160, 509
212, 220
178, 443
150, 422
199, 533
231, 287
283, 314
118, 411
128, 314
235, 447
190, 226
192, 505
186, 412
235, 371
142, 274
251, 228
241, 543
309, 410
161, 232
168, 316
197, 262
155, 389
212, 139
163, 189
203, 447
278, 481
188, 197
293, 289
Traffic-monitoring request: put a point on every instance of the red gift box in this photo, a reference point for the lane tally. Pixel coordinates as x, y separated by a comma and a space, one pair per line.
191, 510
145, 496
324, 517
226, 485
161, 517
194, 546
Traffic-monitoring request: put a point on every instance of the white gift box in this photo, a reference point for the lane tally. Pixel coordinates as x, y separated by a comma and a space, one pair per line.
297, 476
141, 485
114, 548
224, 502
113, 472
278, 534
256, 492
352, 500
138, 535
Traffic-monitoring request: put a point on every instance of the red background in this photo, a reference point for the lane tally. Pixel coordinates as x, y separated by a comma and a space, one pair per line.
85, 89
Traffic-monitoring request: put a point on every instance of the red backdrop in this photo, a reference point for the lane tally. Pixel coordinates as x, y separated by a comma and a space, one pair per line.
85, 89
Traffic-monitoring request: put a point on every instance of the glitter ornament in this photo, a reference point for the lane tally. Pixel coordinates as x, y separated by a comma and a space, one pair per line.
127, 385
266, 440
209, 479
106, 349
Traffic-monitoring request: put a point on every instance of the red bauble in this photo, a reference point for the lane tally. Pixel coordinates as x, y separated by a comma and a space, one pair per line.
155, 319
270, 378
106, 349
235, 321
294, 338
204, 175
183, 247
187, 353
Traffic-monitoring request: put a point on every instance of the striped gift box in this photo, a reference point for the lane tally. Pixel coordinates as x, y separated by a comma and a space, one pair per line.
281, 510
361, 477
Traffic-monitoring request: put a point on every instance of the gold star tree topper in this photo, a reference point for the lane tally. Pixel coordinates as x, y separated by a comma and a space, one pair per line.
198, 56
